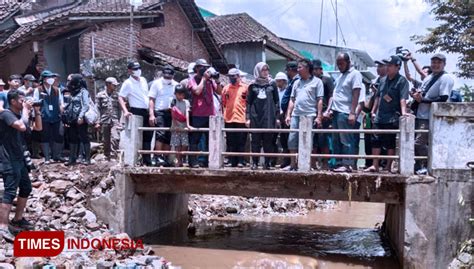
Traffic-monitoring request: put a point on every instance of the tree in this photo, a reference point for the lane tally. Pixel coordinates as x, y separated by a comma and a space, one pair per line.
467, 93
453, 35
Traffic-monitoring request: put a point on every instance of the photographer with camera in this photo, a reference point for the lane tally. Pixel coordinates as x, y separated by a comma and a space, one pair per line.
160, 95
202, 86
436, 87
423, 71
14, 122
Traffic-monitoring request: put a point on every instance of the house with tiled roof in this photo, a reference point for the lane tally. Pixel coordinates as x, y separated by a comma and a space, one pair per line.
245, 42
97, 37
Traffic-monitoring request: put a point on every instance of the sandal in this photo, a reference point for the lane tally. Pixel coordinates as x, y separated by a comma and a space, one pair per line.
371, 169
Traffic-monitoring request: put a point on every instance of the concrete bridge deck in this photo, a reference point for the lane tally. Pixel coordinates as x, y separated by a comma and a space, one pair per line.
325, 185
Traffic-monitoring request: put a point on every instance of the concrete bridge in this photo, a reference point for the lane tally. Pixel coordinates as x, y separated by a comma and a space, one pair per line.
427, 217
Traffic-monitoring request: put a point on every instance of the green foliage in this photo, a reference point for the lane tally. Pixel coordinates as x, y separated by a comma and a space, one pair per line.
467, 93
455, 34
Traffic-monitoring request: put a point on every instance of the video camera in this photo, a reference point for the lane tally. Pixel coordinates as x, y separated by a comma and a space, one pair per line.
402, 53
213, 73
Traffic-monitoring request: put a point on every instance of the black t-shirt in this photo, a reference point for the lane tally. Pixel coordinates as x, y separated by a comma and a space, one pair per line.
328, 84
390, 93
11, 140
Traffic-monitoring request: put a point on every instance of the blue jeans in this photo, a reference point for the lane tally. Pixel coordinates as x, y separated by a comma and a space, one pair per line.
344, 143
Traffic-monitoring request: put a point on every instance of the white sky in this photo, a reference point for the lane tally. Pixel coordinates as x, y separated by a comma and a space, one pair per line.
376, 26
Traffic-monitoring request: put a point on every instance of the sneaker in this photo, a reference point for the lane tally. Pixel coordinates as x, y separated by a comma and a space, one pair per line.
21, 225
343, 169
422, 171
240, 165
254, 167
195, 166
7, 235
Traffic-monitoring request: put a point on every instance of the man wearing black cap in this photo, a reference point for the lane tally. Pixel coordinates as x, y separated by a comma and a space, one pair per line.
135, 90
161, 94
292, 73
14, 82
390, 104
202, 88
436, 87
321, 141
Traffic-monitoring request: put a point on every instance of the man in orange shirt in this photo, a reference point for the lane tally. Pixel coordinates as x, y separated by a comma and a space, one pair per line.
234, 103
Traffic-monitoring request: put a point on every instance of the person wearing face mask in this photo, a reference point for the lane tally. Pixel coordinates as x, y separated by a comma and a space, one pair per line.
135, 90
51, 109
262, 111
202, 88
234, 104
161, 94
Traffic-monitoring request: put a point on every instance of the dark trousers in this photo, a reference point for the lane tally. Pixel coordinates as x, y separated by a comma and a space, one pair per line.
264, 140
284, 141
344, 143
78, 133
195, 138
368, 149
147, 135
14, 178
236, 142
421, 142
50, 133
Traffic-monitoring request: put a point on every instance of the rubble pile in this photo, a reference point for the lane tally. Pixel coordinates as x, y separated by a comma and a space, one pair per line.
205, 207
60, 201
465, 258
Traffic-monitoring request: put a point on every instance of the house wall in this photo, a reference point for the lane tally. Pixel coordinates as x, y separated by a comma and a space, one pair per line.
175, 38
111, 40
244, 55
16, 61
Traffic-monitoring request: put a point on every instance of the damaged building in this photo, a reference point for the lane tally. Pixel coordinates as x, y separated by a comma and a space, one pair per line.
98, 37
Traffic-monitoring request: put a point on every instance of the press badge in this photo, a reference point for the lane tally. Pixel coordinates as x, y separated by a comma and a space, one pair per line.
50, 107
387, 98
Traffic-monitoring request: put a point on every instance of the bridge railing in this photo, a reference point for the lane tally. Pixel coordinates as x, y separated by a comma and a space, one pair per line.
132, 141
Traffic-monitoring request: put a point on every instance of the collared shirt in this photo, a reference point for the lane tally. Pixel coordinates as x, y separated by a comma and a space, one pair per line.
136, 91
163, 92
234, 101
108, 107
443, 86
345, 85
305, 95
391, 92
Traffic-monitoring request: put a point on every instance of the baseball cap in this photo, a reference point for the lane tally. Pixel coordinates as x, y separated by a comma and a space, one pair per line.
13, 77
379, 62
291, 65
47, 74
112, 80
439, 56
29, 77
201, 62
281, 75
233, 72
394, 59
168, 70
133, 65
317, 63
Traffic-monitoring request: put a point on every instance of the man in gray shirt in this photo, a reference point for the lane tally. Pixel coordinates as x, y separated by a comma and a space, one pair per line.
435, 88
343, 109
306, 99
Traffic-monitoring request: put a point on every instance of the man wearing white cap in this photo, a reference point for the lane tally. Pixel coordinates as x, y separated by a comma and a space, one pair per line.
109, 115
234, 105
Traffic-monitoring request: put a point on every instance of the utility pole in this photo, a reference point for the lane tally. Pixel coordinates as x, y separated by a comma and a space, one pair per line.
337, 24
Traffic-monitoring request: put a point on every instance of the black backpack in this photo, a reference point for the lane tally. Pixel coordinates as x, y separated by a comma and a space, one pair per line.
71, 111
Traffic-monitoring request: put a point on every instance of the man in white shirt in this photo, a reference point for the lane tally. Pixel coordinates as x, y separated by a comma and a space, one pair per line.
161, 94
135, 91
343, 108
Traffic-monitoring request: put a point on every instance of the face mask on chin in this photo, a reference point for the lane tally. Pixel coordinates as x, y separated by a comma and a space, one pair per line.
50, 81
137, 73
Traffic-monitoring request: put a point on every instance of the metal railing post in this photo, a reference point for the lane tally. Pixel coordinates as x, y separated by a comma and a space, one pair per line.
132, 140
407, 145
305, 144
216, 142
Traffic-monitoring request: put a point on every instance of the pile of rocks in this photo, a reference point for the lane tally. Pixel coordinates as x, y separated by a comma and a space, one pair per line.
465, 259
210, 206
60, 201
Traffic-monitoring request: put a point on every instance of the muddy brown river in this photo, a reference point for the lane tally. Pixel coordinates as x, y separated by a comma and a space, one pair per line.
344, 237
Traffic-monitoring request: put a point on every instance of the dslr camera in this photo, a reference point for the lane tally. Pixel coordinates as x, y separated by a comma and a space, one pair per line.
402, 53
213, 73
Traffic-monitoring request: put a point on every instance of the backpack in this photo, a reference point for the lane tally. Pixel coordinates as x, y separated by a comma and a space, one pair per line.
71, 113
92, 114
455, 96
